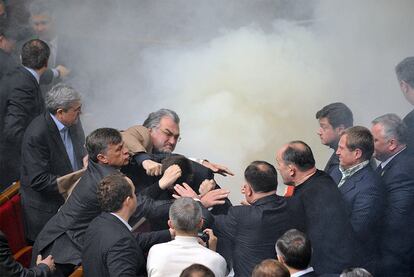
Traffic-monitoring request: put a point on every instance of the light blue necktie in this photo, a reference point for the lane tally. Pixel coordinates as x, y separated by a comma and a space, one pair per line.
67, 141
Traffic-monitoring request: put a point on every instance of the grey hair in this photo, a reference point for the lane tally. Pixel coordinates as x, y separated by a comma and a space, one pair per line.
185, 213
405, 71
154, 118
61, 96
394, 127
355, 272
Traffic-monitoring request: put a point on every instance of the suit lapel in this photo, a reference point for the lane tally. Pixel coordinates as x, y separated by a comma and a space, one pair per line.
352, 181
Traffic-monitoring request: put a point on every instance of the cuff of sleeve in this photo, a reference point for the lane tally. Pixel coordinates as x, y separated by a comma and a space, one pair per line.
140, 157
56, 73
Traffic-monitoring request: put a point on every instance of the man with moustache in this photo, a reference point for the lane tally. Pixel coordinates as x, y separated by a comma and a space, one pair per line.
318, 204
362, 191
405, 75
149, 144
396, 169
53, 146
333, 120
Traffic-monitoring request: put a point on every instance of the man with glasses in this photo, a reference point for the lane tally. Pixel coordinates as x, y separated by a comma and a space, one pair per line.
149, 144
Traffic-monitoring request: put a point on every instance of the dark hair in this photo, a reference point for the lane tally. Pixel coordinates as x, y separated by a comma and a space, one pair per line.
201, 270
112, 192
405, 71
355, 272
262, 176
270, 268
35, 54
183, 163
337, 114
10, 30
98, 141
361, 138
299, 154
295, 248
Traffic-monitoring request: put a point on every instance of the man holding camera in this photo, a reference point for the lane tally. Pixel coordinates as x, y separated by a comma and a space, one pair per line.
169, 259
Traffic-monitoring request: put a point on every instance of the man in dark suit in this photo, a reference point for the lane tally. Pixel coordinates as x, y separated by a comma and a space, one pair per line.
65, 230
333, 120
294, 251
11, 268
318, 204
23, 102
53, 146
397, 174
362, 191
250, 232
405, 75
110, 249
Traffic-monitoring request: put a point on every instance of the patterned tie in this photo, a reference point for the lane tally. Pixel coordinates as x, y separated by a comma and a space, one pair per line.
379, 169
67, 141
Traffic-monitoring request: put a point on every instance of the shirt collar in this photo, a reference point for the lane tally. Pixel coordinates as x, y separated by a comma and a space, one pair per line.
123, 221
383, 164
34, 73
59, 124
302, 272
353, 169
186, 239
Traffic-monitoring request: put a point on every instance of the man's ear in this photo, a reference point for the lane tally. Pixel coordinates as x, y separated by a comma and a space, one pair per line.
404, 86
292, 170
281, 259
200, 224
358, 153
170, 224
340, 129
102, 158
248, 190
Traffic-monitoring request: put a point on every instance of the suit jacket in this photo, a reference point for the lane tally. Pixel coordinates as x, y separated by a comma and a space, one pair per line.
250, 232
409, 121
44, 158
9, 267
66, 229
363, 193
319, 205
332, 168
397, 247
24, 101
110, 249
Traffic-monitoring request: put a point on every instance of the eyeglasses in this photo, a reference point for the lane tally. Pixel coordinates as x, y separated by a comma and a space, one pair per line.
170, 134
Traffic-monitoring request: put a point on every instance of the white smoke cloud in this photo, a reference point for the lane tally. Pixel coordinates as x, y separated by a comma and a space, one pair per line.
243, 80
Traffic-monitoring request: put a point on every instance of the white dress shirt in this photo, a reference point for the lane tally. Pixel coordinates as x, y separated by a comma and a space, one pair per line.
171, 258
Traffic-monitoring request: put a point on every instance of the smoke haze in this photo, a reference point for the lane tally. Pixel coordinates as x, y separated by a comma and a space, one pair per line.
244, 76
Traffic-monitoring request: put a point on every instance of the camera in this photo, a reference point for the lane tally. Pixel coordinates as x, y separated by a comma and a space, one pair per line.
204, 237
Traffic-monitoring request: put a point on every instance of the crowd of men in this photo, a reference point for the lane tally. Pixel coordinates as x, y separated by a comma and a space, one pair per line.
122, 203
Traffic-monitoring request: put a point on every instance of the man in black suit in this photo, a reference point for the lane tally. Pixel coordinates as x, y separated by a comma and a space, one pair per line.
362, 191
110, 249
294, 251
65, 230
249, 232
405, 75
318, 204
397, 174
10, 267
23, 102
53, 146
333, 120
